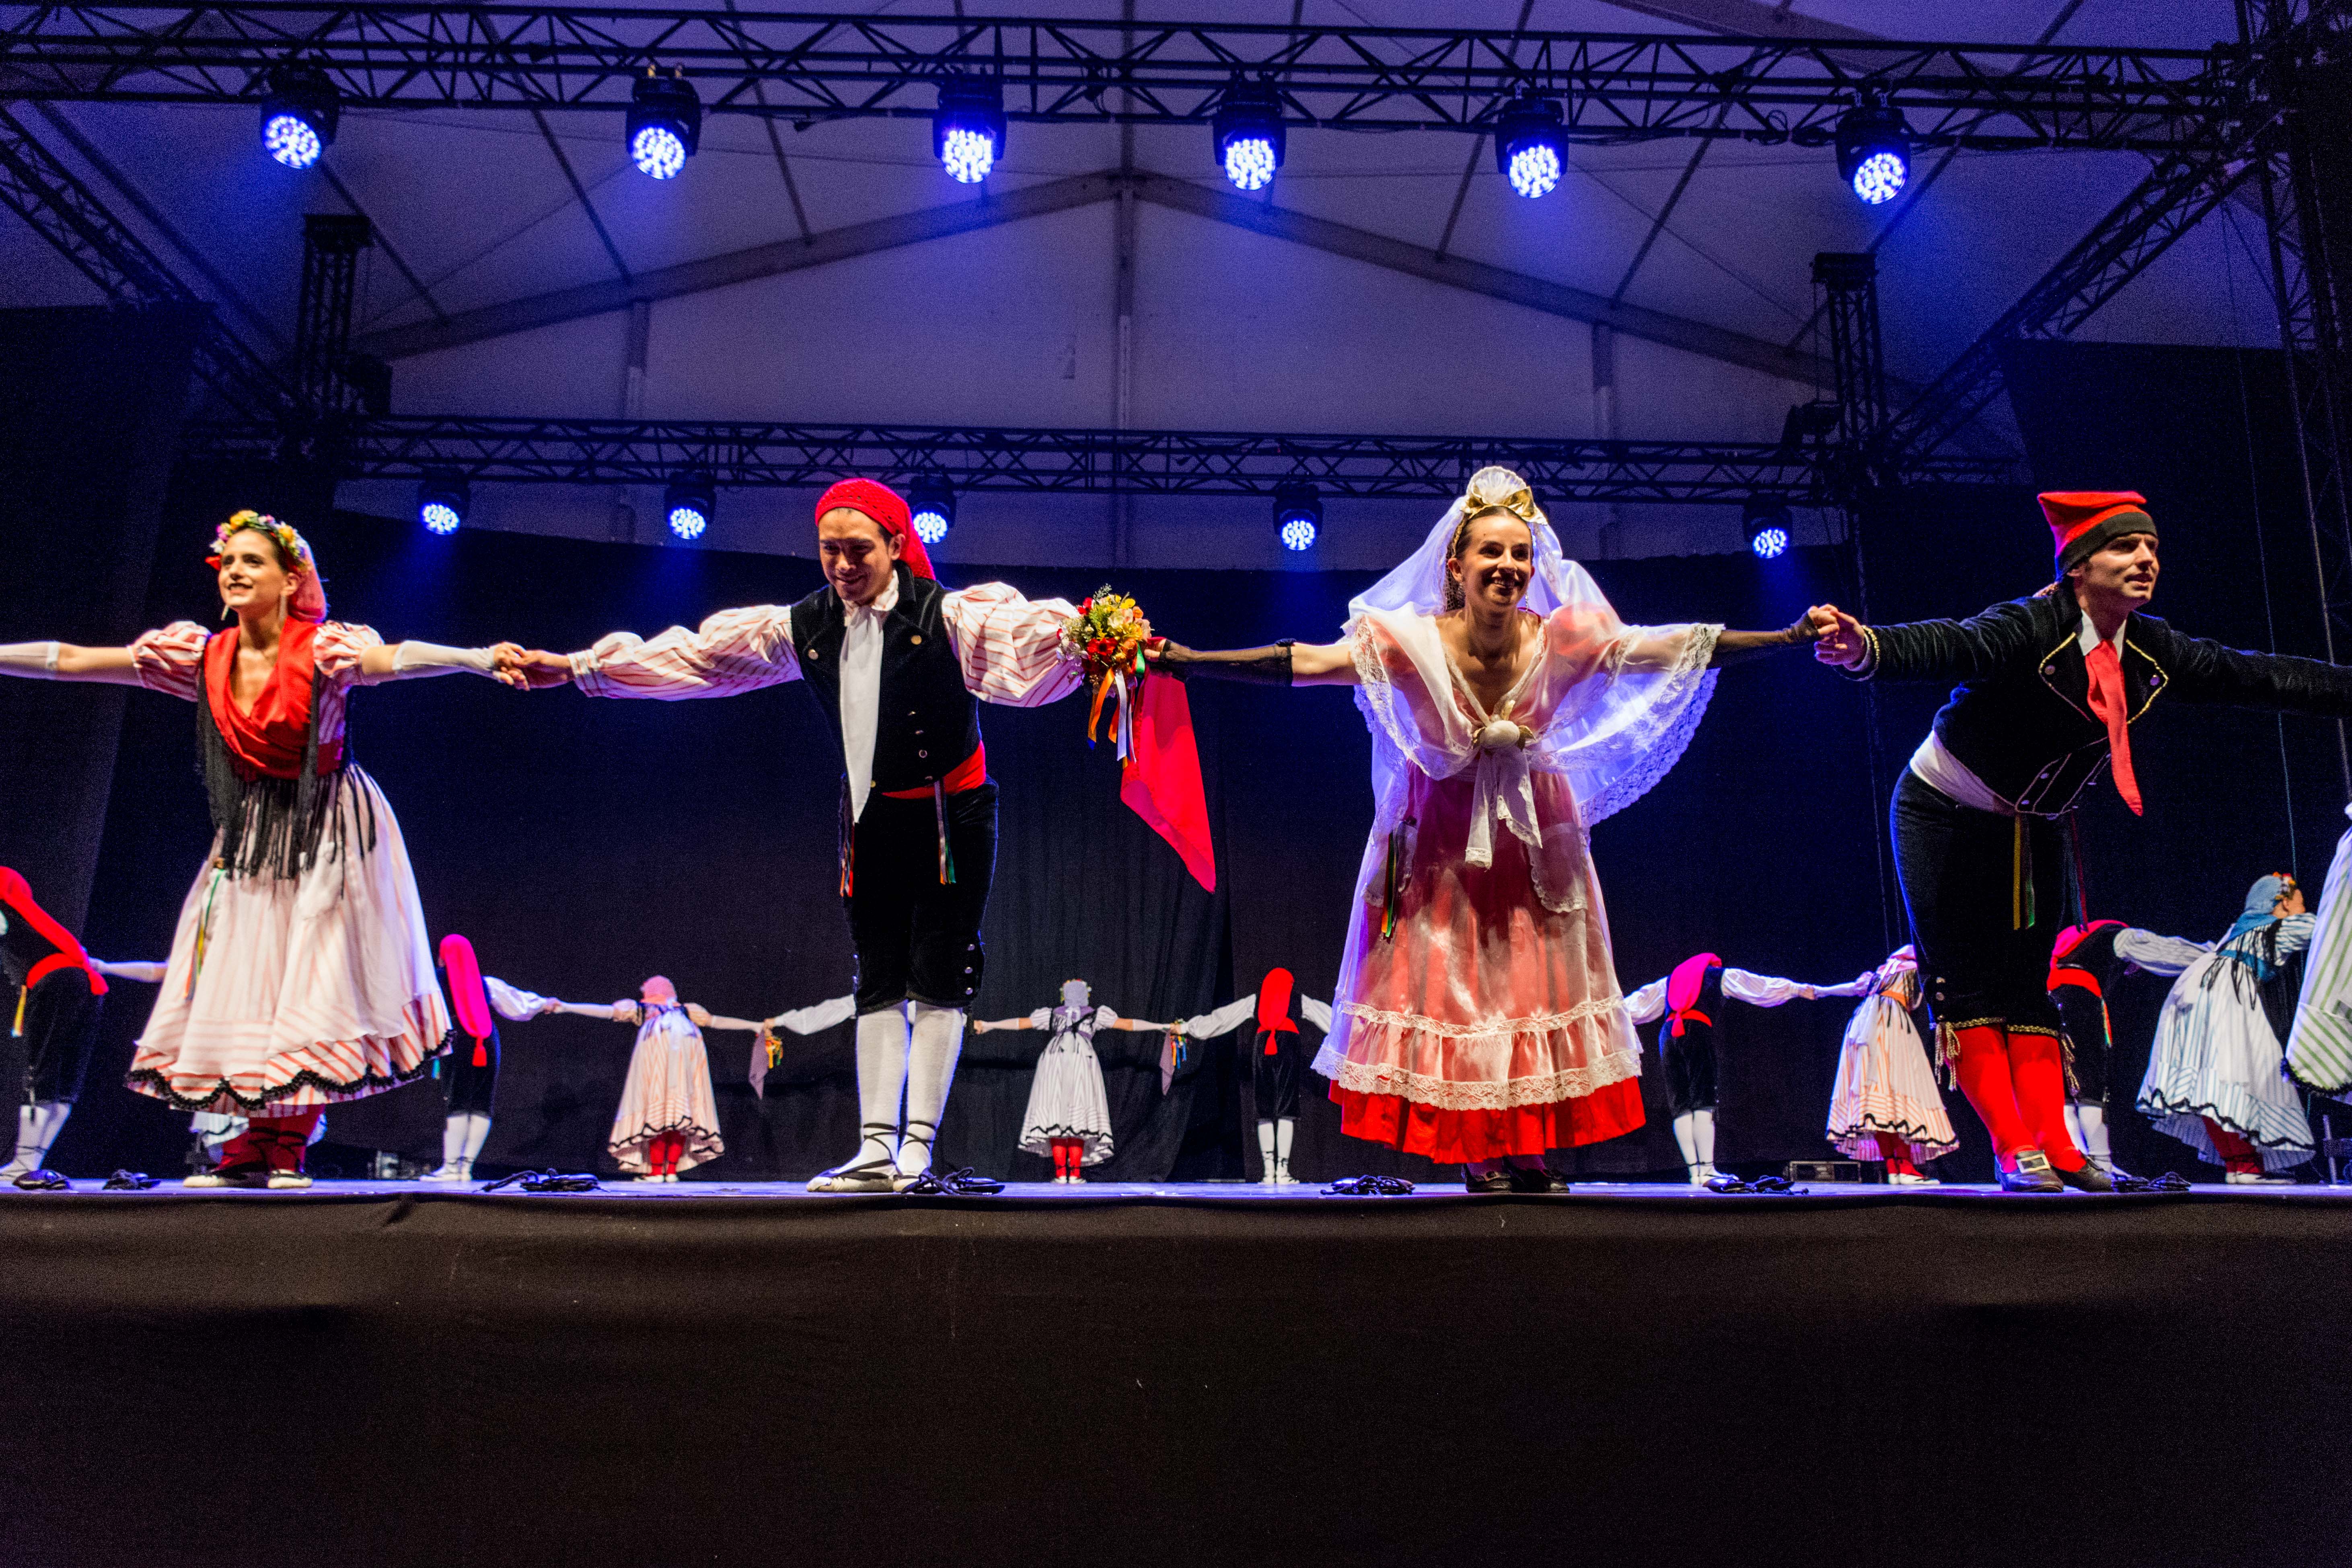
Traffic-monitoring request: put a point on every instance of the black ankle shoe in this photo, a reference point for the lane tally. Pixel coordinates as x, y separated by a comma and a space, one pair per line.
2090, 1178
2033, 1174
1536, 1179
1492, 1182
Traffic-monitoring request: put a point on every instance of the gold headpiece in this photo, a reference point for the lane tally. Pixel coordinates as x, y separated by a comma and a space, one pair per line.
1493, 487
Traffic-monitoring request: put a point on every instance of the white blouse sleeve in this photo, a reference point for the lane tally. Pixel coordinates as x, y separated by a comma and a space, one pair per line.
733, 651
1316, 1011
822, 1015
1861, 986
511, 1002
2294, 933
1010, 648
2158, 954
1042, 1019
172, 661
337, 650
1647, 1004
1209, 1025
1761, 990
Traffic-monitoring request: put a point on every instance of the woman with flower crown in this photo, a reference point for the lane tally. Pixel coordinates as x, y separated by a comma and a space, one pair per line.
1477, 1018
301, 975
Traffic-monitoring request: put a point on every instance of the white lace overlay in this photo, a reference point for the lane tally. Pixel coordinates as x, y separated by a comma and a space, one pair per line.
1503, 1029
1483, 1094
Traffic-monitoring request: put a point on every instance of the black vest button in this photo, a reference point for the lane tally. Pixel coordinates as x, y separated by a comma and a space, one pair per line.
922, 753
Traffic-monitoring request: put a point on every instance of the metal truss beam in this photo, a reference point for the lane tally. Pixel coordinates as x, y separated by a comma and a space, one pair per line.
1117, 462
63, 211
808, 67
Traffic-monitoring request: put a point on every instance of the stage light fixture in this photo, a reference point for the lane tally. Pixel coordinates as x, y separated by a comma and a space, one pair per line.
1249, 133
968, 128
1765, 520
664, 123
932, 500
442, 504
1297, 515
1874, 148
299, 116
1529, 146
689, 505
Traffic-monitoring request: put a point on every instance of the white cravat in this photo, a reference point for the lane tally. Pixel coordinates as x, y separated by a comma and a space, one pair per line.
861, 689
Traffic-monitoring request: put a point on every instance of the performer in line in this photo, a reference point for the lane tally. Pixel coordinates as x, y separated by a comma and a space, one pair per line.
896, 662
2083, 966
1691, 999
472, 1063
1069, 1110
299, 974
2215, 1078
1884, 1105
50, 994
208, 1130
1477, 1015
2049, 687
2319, 1042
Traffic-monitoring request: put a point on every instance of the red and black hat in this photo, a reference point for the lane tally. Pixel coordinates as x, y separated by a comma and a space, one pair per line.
2081, 522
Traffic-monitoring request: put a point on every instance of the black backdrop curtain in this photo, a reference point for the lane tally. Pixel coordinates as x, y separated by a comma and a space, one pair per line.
584, 846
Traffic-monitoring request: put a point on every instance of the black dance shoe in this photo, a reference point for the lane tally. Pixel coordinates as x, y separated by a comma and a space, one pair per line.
1497, 1181
1537, 1179
2033, 1174
2089, 1178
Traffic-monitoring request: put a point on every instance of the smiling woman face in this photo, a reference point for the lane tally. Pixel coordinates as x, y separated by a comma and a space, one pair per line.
254, 579
1494, 562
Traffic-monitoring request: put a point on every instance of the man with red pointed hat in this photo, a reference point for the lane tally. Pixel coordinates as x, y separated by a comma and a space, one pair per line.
899, 664
2049, 688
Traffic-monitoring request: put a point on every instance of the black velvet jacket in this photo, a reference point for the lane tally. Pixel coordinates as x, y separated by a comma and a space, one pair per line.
928, 721
2020, 719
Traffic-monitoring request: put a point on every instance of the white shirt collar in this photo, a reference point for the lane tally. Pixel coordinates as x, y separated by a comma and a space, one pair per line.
882, 606
2087, 638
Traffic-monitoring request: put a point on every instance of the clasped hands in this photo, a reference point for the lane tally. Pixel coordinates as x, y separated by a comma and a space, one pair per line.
1837, 637
530, 669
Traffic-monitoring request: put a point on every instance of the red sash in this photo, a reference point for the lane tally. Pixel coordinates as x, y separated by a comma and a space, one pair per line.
266, 739
1683, 988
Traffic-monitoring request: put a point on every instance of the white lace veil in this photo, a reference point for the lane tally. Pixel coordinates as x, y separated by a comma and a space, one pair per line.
1418, 582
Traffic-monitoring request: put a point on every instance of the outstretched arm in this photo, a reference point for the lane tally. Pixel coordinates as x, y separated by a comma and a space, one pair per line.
1284, 663
1731, 646
133, 969
704, 1019
65, 661
982, 1025
731, 652
1138, 1025
412, 659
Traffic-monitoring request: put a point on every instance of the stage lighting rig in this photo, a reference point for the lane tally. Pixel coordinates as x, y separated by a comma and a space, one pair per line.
1874, 148
689, 505
1765, 520
442, 504
968, 128
1529, 146
1249, 133
932, 500
298, 117
664, 123
1297, 515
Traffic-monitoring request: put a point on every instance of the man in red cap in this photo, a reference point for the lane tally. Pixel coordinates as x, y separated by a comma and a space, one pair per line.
2049, 687
899, 665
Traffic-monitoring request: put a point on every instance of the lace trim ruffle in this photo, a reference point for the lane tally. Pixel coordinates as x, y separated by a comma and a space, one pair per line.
1542, 1024
1490, 1094
1660, 754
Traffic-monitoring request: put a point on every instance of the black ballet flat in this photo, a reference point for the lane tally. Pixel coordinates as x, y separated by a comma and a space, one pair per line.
1539, 1179
1492, 1182
130, 1182
1370, 1187
965, 1183
44, 1181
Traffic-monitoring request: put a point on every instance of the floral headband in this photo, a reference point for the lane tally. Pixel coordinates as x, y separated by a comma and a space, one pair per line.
290, 543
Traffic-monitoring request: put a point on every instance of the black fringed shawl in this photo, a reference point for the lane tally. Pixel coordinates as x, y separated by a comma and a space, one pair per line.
272, 826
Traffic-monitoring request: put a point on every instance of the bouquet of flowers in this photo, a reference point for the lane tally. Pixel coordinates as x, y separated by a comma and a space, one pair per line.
1107, 635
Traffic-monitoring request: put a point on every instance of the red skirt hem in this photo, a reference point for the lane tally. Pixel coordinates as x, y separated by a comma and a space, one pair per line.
1456, 1137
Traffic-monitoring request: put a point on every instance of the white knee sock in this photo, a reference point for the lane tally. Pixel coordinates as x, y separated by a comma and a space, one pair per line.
931, 1073
1686, 1139
1282, 1130
30, 1148
477, 1132
1266, 1152
453, 1141
1703, 1136
2091, 1122
881, 1084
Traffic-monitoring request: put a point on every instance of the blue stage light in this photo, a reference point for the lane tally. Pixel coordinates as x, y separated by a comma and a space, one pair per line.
1249, 133
664, 125
1297, 515
299, 116
968, 127
441, 504
932, 501
1528, 145
1765, 520
689, 505
1873, 145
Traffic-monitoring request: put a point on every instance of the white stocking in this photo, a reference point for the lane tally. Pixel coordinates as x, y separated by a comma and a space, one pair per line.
477, 1132
1282, 1130
1702, 1135
1686, 1140
881, 1084
453, 1143
2093, 1121
30, 1148
1266, 1152
931, 1073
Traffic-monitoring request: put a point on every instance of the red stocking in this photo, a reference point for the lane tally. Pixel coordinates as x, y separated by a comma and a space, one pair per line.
2039, 1071
1061, 1159
2236, 1153
1898, 1155
1983, 1070
283, 1141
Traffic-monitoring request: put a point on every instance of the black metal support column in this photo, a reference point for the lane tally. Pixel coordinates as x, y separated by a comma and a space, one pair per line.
332, 379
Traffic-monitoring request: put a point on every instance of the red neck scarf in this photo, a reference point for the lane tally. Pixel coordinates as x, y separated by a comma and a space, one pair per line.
267, 738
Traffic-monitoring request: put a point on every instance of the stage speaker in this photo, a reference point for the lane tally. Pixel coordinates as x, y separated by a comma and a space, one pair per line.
1847, 1171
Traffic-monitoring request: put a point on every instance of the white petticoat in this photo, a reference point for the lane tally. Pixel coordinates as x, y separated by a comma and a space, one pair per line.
1884, 1084
668, 1091
312, 990
2215, 1055
1067, 1100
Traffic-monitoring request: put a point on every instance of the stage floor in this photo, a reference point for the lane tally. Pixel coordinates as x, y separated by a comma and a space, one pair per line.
1240, 1194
